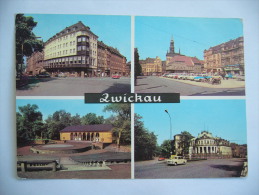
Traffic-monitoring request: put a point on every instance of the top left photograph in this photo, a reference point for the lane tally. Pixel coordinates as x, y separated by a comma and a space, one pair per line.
69, 55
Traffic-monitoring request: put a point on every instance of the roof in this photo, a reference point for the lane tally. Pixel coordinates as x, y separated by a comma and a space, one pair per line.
73, 28
88, 128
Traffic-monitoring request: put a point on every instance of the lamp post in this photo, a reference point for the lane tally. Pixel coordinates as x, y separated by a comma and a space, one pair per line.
170, 124
170, 131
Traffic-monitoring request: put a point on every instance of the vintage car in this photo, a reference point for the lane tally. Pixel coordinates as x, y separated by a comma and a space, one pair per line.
176, 160
198, 78
116, 76
43, 75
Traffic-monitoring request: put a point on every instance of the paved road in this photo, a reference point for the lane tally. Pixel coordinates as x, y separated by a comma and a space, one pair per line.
154, 84
213, 168
75, 86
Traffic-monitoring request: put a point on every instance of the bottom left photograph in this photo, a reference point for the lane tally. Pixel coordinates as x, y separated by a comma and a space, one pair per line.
66, 138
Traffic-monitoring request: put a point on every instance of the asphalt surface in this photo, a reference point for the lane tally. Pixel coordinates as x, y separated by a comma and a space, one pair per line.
212, 168
153, 84
75, 86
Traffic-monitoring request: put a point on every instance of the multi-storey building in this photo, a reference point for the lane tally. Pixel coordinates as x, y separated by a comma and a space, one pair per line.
35, 63
227, 57
178, 63
151, 66
110, 61
72, 51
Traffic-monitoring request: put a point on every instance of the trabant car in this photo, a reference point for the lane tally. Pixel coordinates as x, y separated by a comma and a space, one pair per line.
176, 160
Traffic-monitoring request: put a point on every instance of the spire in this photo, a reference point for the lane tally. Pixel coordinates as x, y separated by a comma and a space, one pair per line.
179, 51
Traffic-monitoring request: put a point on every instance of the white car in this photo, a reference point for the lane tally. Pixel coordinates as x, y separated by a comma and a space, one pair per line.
176, 160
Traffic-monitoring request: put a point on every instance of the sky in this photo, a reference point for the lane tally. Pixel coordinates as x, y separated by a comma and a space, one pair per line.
223, 118
191, 35
114, 31
49, 106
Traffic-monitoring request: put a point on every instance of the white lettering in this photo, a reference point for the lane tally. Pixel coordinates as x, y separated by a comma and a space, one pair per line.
106, 95
147, 99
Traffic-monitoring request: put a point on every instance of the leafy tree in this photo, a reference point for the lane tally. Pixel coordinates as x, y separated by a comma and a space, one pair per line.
166, 148
26, 40
56, 122
29, 123
145, 141
91, 119
76, 120
121, 122
184, 142
138, 69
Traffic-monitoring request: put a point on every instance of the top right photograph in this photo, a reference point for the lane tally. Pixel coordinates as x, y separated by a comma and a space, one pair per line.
190, 56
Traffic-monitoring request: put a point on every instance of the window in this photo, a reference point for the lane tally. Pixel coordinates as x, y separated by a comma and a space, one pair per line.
83, 48
79, 48
84, 39
79, 39
74, 50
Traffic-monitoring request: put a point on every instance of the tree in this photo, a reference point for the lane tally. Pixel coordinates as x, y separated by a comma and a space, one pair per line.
91, 119
184, 142
166, 148
145, 141
29, 123
56, 122
138, 69
26, 41
121, 122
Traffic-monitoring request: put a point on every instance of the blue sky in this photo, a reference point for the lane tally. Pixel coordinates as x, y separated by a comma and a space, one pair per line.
223, 118
114, 31
49, 106
191, 35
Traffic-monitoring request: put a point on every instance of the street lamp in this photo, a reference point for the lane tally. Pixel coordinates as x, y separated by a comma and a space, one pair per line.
170, 124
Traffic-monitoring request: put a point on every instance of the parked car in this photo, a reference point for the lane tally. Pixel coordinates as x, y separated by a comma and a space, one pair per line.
176, 160
161, 158
43, 75
198, 78
240, 77
116, 76
62, 75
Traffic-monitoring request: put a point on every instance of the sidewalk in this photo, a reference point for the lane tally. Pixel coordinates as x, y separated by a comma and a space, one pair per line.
230, 83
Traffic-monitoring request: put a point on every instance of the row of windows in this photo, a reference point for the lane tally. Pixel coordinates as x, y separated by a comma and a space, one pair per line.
82, 39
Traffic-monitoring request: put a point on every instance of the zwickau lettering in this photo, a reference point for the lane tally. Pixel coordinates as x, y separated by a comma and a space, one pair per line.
132, 98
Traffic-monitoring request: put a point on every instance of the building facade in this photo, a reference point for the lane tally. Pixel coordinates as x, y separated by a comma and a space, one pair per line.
178, 63
205, 145
227, 57
151, 66
35, 63
95, 133
76, 51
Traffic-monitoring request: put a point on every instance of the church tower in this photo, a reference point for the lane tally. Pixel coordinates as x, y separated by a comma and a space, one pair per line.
172, 46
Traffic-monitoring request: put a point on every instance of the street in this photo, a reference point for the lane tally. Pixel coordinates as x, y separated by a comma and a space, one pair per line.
211, 168
153, 84
75, 86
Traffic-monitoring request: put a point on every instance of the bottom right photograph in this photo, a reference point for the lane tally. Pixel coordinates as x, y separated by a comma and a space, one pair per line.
204, 138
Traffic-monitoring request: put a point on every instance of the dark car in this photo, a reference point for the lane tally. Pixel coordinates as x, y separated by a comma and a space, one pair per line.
43, 75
